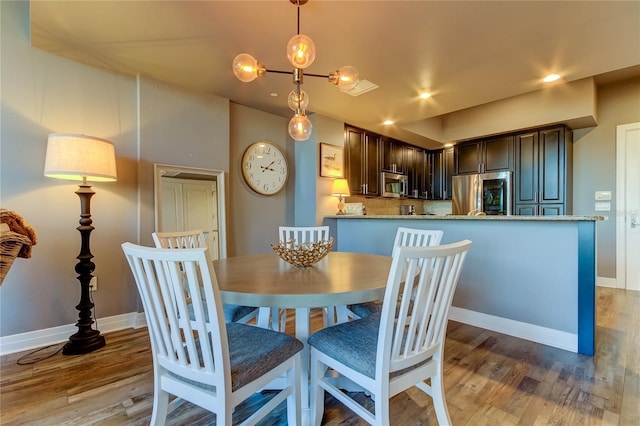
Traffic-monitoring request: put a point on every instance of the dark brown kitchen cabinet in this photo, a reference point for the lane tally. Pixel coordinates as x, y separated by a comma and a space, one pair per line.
362, 161
543, 160
393, 155
485, 156
418, 172
443, 171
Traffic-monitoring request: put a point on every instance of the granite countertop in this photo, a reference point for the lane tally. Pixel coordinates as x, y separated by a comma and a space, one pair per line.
565, 218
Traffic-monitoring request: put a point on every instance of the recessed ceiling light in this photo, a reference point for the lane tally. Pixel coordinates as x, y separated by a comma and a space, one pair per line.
273, 94
551, 77
388, 122
448, 145
425, 95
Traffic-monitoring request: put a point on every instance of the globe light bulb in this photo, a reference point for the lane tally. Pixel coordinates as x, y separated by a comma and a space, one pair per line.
346, 78
246, 67
300, 127
301, 51
298, 100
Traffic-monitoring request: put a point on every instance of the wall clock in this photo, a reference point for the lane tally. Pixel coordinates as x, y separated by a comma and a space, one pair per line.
265, 168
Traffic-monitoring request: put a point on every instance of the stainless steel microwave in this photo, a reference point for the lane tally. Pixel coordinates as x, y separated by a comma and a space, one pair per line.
394, 185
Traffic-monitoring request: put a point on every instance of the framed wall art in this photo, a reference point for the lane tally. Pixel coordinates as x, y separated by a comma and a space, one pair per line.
331, 161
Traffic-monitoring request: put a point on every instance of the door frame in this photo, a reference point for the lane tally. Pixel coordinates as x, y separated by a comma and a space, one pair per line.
621, 208
168, 170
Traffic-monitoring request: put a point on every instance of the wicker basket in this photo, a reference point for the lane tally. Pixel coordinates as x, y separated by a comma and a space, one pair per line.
306, 254
10, 245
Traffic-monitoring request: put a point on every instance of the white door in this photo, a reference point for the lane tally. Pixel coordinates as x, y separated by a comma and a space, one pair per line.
200, 200
628, 206
171, 207
188, 205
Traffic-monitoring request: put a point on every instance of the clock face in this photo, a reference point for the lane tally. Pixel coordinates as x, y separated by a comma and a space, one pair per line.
265, 168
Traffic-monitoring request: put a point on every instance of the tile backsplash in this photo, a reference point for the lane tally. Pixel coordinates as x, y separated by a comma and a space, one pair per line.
391, 206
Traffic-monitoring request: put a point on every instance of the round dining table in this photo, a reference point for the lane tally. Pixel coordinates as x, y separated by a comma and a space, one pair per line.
266, 281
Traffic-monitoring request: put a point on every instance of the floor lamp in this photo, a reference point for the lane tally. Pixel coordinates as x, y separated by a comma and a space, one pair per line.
83, 158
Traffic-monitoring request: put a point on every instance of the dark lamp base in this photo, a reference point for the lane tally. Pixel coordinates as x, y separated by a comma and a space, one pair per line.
83, 344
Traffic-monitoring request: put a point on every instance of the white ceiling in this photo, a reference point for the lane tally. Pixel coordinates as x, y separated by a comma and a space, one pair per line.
466, 53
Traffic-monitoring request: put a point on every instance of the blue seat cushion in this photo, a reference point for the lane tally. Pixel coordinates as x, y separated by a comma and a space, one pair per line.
232, 313
352, 343
364, 310
253, 351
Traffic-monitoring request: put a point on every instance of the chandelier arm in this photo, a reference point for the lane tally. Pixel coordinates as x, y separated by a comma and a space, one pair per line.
307, 74
279, 72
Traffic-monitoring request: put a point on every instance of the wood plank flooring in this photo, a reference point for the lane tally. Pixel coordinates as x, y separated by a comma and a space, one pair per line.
490, 379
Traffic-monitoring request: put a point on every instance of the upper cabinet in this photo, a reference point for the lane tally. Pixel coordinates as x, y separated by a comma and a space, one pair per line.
443, 171
429, 172
393, 156
418, 162
485, 156
540, 159
362, 161
543, 168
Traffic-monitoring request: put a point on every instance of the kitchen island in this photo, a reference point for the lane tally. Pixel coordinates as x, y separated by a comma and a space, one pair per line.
531, 277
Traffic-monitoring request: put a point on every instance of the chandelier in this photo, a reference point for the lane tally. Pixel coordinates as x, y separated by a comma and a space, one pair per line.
301, 52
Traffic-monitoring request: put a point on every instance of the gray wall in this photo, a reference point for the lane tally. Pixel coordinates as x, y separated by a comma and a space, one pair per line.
180, 128
594, 159
44, 93
252, 218
149, 122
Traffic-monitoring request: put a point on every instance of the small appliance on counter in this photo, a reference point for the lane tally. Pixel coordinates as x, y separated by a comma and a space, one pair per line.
486, 193
407, 210
354, 208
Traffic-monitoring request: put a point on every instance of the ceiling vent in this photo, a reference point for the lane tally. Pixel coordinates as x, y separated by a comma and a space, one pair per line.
363, 86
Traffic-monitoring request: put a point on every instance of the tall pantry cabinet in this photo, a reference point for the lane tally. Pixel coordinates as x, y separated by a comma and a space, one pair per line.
543, 172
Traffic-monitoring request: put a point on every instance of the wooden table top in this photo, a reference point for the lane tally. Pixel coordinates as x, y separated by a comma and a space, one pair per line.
266, 280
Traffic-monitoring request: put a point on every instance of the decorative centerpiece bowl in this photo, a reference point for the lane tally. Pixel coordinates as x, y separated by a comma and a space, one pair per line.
305, 254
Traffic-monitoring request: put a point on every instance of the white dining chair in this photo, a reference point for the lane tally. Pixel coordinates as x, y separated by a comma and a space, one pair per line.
405, 237
401, 347
201, 358
194, 239
275, 318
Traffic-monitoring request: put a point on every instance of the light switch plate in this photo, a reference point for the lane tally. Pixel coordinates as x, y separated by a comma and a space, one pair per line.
603, 207
603, 195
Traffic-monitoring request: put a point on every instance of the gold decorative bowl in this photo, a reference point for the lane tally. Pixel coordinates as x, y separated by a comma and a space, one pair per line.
305, 254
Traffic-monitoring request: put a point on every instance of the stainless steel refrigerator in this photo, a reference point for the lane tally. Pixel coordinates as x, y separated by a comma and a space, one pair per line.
485, 193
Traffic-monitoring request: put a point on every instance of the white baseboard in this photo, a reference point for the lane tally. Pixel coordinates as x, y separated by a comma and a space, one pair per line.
607, 282
523, 330
547, 336
50, 336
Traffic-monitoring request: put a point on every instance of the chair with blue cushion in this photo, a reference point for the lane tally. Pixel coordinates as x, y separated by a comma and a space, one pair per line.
397, 348
197, 356
275, 318
194, 239
405, 237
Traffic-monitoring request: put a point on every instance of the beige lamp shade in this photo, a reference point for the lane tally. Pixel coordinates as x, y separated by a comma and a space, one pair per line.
79, 157
340, 188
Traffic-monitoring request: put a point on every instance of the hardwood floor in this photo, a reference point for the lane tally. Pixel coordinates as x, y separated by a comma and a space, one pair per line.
490, 379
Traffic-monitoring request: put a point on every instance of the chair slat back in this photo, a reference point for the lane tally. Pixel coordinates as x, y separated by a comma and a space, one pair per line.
303, 234
180, 239
183, 342
409, 237
416, 305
